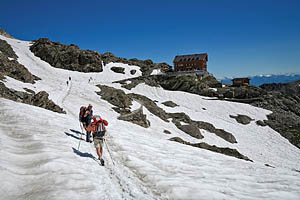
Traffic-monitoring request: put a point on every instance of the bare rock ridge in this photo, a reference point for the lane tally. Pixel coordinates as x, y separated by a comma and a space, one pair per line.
123, 102
226, 151
282, 99
2, 32
71, 57
68, 57
40, 99
9, 65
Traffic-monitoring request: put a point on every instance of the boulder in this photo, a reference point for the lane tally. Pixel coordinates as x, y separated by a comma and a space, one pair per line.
132, 72
242, 119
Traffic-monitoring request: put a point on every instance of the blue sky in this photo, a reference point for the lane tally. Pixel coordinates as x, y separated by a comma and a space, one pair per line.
241, 37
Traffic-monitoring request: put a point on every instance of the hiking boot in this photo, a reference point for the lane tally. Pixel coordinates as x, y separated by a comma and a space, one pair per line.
102, 161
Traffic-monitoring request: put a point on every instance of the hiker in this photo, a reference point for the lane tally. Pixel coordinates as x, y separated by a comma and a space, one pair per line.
67, 83
98, 130
85, 116
69, 78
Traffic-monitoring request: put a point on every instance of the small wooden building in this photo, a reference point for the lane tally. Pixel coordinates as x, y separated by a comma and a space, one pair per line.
241, 81
191, 62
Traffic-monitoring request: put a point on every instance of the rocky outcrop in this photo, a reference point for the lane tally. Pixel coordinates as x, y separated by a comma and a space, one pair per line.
191, 130
136, 117
167, 132
226, 151
115, 97
242, 119
6, 49
133, 82
219, 132
2, 32
68, 57
150, 105
40, 99
288, 89
146, 66
120, 70
123, 102
12, 68
170, 104
261, 123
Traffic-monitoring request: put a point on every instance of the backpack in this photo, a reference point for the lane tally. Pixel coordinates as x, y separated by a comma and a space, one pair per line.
81, 112
100, 127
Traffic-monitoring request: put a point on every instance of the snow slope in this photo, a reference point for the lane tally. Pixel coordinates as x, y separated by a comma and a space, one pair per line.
40, 157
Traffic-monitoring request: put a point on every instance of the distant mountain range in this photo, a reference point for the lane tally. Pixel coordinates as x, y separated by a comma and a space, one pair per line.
262, 79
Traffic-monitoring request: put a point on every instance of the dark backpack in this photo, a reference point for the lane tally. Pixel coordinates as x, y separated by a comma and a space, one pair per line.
81, 112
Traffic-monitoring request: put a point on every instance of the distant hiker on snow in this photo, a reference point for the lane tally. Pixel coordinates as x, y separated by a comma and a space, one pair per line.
85, 116
98, 129
67, 83
69, 78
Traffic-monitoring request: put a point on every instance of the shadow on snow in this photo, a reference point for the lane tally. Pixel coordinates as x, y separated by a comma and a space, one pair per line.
73, 136
77, 132
86, 155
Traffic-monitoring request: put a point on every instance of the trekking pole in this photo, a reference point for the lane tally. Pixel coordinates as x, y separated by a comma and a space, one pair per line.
109, 152
80, 135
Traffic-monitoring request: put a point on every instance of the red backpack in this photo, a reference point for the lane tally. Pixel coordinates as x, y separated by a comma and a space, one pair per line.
100, 127
81, 112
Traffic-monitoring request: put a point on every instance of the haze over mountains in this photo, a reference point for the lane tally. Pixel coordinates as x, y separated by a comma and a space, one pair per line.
271, 78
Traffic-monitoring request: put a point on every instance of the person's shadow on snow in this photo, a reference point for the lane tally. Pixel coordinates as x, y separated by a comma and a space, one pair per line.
77, 132
73, 136
87, 155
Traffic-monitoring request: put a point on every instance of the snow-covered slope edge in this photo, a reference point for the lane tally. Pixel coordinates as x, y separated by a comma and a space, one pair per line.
40, 147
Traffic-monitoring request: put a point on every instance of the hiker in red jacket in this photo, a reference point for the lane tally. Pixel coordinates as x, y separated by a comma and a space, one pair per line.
98, 130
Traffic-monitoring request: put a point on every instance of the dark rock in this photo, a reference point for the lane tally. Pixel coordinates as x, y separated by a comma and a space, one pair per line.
68, 57
267, 165
6, 49
29, 90
146, 66
40, 99
15, 70
203, 145
114, 96
150, 105
260, 123
167, 132
191, 130
135, 81
120, 70
136, 117
219, 132
242, 119
132, 72
170, 104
